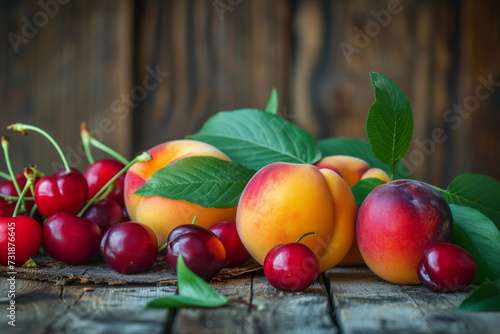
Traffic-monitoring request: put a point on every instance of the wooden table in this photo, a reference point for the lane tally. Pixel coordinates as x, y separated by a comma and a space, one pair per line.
93, 299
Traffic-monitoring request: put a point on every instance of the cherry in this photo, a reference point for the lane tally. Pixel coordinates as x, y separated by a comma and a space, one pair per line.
105, 213
100, 172
129, 247
201, 250
63, 192
20, 239
236, 253
291, 267
186, 228
446, 267
71, 239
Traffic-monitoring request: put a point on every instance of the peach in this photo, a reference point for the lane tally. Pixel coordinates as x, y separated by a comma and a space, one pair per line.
283, 201
396, 223
376, 173
350, 168
162, 214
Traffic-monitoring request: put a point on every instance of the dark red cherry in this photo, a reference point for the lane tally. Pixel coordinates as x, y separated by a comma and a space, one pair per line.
291, 267
446, 267
201, 250
22, 232
64, 192
129, 247
100, 172
105, 213
236, 253
71, 239
186, 228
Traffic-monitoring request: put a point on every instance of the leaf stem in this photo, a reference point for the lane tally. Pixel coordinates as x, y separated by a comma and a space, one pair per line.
23, 129
145, 156
97, 144
84, 133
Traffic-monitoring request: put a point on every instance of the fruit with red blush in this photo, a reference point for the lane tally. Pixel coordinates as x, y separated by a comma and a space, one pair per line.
236, 253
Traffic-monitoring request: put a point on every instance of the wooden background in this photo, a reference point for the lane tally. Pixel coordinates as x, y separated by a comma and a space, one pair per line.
91, 61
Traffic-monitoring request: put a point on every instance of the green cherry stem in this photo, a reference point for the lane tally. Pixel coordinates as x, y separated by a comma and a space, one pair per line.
33, 210
194, 220
15, 198
84, 133
107, 192
23, 129
162, 248
5, 176
5, 147
97, 144
302, 236
145, 156
30, 179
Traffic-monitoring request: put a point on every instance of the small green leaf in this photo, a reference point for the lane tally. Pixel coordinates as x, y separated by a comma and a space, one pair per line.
389, 125
192, 291
202, 180
477, 234
486, 297
272, 104
359, 148
477, 191
255, 138
364, 187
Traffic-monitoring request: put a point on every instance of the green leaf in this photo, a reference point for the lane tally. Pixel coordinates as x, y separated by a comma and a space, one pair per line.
359, 148
389, 125
192, 291
485, 297
272, 104
477, 234
477, 191
255, 138
363, 187
202, 180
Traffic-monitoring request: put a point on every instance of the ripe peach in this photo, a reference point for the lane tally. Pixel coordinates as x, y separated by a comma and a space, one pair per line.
396, 222
283, 201
350, 168
162, 214
376, 173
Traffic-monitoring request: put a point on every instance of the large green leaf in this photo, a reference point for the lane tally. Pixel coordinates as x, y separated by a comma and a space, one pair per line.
192, 291
477, 234
389, 125
205, 181
484, 298
477, 191
255, 138
359, 148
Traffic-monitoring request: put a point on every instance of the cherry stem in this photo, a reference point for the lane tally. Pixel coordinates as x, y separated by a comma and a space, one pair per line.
5, 147
15, 198
162, 248
308, 233
30, 175
107, 192
22, 128
33, 210
84, 133
145, 156
5, 176
194, 220
97, 144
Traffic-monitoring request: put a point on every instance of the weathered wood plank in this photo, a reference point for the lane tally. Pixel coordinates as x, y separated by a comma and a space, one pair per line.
38, 305
98, 272
365, 303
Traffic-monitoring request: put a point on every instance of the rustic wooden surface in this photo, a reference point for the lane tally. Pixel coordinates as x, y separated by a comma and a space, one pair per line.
344, 300
222, 58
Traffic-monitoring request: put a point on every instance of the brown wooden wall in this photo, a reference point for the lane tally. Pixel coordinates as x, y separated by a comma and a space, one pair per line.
94, 61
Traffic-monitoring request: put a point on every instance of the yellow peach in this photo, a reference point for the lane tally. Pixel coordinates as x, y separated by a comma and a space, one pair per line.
351, 168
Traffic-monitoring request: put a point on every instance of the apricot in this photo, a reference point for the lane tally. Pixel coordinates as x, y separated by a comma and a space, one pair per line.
376, 173
396, 223
162, 214
283, 201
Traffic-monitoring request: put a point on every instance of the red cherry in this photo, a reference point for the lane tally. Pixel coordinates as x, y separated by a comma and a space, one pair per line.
63, 192
201, 250
105, 213
236, 253
71, 239
291, 267
26, 235
8, 188
446, 267
185, 228
129, 247
100, 172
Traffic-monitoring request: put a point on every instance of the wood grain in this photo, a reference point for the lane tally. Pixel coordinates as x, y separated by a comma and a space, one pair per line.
365, 303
